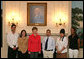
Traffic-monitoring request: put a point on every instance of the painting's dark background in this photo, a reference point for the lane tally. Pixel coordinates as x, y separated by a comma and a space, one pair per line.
34, 19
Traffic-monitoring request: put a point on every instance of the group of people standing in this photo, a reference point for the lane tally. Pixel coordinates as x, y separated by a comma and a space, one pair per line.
31, 47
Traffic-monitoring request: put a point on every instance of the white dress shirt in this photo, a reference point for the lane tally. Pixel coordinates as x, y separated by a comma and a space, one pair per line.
62, 44
51, 44
12, 39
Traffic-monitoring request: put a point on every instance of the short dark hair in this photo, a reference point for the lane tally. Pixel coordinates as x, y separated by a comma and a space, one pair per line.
48, 30
62, 31
13, 25
21, 33
74, 28
34, 28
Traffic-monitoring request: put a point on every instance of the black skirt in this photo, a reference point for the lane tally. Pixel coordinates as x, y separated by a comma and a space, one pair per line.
23, 55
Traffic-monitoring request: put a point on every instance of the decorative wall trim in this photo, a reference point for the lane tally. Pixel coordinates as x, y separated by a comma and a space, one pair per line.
44, 34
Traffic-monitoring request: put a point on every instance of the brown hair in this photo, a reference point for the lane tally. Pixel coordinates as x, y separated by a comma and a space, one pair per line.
34, 28
48, 30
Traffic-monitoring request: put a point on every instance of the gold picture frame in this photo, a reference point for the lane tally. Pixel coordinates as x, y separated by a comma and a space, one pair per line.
36, 14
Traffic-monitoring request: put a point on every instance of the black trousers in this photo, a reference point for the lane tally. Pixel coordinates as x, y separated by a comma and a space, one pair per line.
21, 55
12, 53
34, 55
40, 55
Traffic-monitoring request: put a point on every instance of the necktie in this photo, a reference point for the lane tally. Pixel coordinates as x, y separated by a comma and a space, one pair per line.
46, 44
62, 38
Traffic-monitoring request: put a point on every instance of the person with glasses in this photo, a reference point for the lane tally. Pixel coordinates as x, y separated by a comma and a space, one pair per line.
48, 45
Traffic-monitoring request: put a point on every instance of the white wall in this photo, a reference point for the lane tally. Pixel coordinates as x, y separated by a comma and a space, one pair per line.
53, 7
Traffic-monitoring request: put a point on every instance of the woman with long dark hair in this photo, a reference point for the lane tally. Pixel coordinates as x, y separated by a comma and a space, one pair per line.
23, 45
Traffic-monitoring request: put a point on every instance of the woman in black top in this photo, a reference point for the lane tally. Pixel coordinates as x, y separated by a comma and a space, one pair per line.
74, 44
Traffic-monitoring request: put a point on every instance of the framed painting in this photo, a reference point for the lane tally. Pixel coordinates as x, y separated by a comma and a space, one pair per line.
36, 14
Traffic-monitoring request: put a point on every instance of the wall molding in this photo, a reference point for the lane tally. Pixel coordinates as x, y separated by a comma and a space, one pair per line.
44, 34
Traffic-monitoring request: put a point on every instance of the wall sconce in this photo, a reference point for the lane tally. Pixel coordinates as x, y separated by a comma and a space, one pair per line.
13, 18
12, 21
60, 23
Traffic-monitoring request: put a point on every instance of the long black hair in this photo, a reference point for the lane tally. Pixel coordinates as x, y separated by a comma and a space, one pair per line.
21, 33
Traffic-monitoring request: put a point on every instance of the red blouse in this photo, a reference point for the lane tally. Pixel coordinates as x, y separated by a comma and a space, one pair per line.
34, 43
